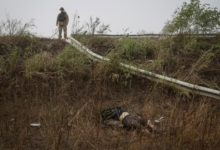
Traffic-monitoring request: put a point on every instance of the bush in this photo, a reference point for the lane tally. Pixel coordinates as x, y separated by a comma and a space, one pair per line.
72, 61
2, 65
38, 63
13, 61
194, 17
131, 49
101, 45
68, 61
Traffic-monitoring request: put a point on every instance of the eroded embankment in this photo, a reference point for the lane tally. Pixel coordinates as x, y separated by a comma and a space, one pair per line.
187, 58
66, 91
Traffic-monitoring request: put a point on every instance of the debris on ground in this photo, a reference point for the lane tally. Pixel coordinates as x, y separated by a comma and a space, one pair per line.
35, 124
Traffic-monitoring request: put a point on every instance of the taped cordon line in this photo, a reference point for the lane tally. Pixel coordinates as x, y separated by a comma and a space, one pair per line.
150, 75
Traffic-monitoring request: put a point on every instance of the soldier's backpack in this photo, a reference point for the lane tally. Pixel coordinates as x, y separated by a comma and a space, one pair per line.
62, 17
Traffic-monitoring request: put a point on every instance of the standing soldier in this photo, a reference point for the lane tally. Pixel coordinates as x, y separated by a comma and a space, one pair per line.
62, 22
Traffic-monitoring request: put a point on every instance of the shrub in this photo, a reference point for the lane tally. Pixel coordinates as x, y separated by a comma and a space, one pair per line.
72, 61
203, 62
130, 49
68, 61
38, 63
101, 45
13, 61
194, 17
2, 65
151, 48
112, 72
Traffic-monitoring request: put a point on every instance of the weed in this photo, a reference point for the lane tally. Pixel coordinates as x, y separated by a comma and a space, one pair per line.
13, 61
2, 65
131, 50
65, 92
71, 60
38, 63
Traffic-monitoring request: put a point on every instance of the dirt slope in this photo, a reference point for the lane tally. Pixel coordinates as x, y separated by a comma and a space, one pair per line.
48, 82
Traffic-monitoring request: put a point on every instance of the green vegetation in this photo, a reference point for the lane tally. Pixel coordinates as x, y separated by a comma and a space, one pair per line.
137, 49
49, 82
25, 59
194, 17
38, 63
183, 57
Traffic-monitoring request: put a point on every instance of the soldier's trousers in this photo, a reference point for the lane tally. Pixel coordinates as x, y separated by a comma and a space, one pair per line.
64, 29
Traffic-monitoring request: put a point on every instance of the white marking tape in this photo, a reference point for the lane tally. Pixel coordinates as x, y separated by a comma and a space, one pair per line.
150, 75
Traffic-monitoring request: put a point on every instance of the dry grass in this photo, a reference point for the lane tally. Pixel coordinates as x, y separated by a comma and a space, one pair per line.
70, 119
67, 101
192, 59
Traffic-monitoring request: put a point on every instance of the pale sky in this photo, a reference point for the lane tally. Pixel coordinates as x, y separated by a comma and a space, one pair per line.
148, 15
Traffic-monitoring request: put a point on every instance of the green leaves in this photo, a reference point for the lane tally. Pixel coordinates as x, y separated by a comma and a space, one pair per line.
194, 17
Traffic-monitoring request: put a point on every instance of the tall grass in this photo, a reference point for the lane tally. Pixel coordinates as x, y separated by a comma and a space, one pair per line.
65, 93
173, 56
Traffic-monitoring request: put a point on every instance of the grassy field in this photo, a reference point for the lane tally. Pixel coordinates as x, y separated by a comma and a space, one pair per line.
48, 82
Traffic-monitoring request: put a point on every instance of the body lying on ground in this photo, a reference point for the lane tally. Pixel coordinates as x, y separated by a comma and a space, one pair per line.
120, 118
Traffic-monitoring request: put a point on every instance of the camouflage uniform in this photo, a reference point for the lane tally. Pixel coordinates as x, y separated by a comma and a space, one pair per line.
127, 120
120, 118
62, 24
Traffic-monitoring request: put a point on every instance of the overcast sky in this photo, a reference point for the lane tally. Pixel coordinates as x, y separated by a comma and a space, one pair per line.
148, 15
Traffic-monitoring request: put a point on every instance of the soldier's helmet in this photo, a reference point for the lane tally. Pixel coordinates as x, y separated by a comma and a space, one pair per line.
61, 9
